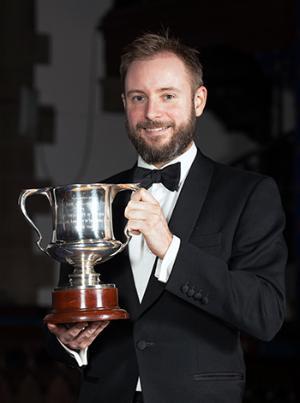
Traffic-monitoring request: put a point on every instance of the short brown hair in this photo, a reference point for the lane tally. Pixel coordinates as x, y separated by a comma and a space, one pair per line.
150, 44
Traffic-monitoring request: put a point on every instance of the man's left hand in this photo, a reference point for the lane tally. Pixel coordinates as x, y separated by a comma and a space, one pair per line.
145, 216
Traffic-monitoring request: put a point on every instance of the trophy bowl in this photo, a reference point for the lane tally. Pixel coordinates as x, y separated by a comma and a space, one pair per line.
82, 236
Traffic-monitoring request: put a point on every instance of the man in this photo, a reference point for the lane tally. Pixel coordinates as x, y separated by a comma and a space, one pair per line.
206, 260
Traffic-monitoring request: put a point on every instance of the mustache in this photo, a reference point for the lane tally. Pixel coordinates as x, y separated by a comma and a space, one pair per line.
154, 124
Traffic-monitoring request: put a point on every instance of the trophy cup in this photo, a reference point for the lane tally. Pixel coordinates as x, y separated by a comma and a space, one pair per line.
82, 236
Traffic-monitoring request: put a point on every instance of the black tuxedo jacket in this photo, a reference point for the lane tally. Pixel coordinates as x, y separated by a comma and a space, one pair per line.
183, 340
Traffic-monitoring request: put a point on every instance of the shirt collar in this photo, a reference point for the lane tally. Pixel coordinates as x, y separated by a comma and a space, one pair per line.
186, 159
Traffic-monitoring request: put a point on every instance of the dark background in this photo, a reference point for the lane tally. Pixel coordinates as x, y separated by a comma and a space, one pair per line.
61, 122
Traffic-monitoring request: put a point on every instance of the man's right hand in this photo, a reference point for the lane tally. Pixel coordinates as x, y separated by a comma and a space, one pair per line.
78, 336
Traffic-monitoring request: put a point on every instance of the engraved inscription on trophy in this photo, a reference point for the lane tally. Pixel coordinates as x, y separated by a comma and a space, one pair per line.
80, 217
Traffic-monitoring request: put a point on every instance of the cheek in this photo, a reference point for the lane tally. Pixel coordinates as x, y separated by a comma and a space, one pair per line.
134, 115
181, 111
179, 115
131, 118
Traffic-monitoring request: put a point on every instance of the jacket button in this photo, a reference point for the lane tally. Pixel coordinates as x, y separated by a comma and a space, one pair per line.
191, 292
185, 288
141, 345
198, 296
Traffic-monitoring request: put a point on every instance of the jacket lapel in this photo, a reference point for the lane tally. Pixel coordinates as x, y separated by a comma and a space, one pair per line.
192, 197
184, 216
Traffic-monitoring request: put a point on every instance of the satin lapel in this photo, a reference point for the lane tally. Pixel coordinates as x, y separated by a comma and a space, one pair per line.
192, 197
184, 217
152, 293
123, 276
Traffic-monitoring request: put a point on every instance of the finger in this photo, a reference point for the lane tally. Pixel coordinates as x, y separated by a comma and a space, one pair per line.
64, 327
136, 195
87, 336
136, 226
70, 331
92, 327
97, 325
134, 232
141, 210
146, 196
133, 214
53, 328
142, 204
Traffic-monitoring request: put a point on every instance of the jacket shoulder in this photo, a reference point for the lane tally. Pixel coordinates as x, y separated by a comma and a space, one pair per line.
236, 181
240, 176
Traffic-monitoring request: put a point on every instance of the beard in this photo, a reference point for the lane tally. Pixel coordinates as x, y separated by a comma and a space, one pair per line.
153, 153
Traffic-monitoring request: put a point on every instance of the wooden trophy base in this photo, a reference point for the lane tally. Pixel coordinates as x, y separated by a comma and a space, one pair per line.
85, 305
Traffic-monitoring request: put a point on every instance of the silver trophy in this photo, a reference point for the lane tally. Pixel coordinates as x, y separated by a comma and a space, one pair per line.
82, 236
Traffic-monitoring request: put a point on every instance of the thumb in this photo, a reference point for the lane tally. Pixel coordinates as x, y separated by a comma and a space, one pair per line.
143, 195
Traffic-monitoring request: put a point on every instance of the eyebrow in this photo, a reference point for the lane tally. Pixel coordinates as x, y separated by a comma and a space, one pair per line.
168, 89
159, 90
134, 92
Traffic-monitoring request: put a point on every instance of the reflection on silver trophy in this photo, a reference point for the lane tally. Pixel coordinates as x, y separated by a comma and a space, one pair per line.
82, 236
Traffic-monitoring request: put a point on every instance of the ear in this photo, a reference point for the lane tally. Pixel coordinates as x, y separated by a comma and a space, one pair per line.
200, 100
123, 100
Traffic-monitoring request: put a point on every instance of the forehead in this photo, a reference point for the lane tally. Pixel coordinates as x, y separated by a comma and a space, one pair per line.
163, 70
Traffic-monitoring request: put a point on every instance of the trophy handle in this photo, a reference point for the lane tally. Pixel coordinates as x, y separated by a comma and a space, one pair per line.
119, 188
22, 203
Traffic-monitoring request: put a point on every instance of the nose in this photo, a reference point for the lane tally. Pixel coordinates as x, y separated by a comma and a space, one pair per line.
153, 109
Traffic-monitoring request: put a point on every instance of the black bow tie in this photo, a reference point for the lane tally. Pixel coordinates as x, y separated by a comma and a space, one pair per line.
168, 176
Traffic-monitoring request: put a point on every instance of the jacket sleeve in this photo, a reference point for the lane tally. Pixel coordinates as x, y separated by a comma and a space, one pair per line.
57, 352
247, 290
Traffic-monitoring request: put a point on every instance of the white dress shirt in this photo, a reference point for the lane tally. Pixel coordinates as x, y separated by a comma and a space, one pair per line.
141, 258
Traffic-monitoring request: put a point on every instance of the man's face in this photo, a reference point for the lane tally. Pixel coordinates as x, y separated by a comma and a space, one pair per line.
161, 107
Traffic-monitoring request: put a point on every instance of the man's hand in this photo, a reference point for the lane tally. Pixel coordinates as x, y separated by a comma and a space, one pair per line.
145, 216
79, 335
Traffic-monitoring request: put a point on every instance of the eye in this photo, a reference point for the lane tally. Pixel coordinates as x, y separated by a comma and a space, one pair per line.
138, 98
168, 97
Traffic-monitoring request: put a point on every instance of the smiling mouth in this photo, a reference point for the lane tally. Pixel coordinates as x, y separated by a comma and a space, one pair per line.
156, 129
